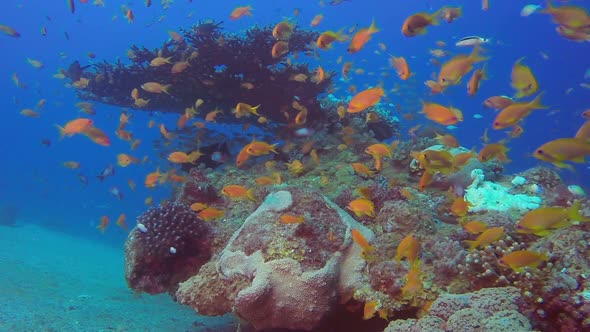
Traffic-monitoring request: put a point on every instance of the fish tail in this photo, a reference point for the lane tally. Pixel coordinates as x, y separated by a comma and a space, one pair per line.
471, 244
62, 131
250, 194
165, 89
273, 148
255, 109
434, 18
373, 28
475, 57
574, 212
536, 103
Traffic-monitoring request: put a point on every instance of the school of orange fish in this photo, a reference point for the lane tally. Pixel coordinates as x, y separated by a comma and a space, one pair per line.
573, 23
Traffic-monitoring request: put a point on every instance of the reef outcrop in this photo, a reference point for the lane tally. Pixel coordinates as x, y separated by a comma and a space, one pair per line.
168, 245
281, 275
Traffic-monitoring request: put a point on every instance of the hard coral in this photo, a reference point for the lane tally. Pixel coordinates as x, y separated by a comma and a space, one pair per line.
289, 291
198, 188
167, 246
491, 309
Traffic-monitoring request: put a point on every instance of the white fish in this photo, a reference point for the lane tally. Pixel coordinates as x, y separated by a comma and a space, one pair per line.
576, 190
472, 41
529, 9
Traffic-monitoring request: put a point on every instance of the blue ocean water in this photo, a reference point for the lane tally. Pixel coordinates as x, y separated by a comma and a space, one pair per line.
33, 179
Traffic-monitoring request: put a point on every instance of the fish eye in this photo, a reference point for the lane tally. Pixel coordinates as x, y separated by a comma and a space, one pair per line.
540, 151
496, 124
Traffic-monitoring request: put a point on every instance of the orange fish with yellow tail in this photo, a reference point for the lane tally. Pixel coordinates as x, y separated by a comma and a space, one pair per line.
361, 37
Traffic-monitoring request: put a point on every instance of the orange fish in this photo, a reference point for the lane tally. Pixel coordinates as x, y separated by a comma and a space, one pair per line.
362, 170
155, 87
76, 126
361, 37
291, 219
475, 80
518, 260
379, 150
523, 80
9, 31
408, 248
198, 206
180, 157
416, 24
498, 102
243, 156
447, 140
121, 222
362, 206
125, 160
370, 309
543, 221
165, 132
563, 149
475, 227
235, 191
494, 151
152, 178
97, 136
440, 114
30, 113
131, 184
573, 17
283, 30
453, 70
259, 148
413, 282
238, 12
401, 66
450, 14
365, 99
279, 49
104, 222
514, 113
71, 164
425, 180
359, 239
210, 213
487, 237
316, 20
326, 39
460, 207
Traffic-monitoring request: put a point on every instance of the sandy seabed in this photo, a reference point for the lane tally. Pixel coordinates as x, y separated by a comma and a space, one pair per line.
51, 281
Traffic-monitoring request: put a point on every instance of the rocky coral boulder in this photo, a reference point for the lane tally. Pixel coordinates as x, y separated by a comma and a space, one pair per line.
489, 309
283, 275
168, 245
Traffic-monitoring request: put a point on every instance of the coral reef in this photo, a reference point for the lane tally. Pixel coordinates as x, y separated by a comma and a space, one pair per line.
490, 309
223, 70
168, 245
296, 273
197, 188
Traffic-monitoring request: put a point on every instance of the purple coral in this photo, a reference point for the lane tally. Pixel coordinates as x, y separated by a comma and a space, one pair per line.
168, 245
198, 188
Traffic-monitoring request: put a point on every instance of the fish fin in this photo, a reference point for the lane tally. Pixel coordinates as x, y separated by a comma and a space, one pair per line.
165, 89
471, 244
543, 232
574, 212
62, 131
536, 103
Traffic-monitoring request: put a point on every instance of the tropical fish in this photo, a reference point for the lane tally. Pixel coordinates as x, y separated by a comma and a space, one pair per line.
362, 207
514, 113
365, 99
362, 37
560, 150
523, 80
239, 12
518, 260
416, 24
543, 221
471, 41
489, 236
408, 248
76, 126
236, 191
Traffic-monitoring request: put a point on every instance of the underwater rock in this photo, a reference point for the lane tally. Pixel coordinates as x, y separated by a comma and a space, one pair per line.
198, 188
151, 265
490, 309
281, 275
